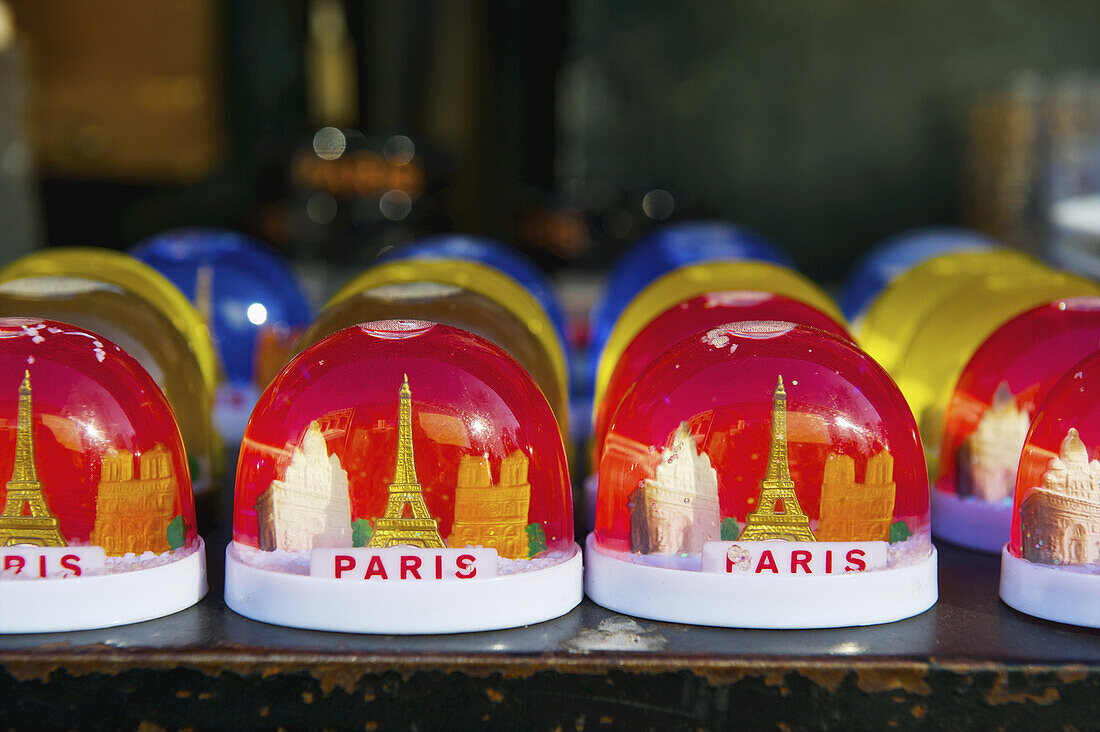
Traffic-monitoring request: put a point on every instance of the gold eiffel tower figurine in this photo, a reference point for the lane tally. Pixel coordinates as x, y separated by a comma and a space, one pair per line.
777, 487
17, 525
419, 529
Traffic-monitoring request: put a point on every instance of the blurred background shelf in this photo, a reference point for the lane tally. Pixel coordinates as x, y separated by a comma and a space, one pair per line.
567, 128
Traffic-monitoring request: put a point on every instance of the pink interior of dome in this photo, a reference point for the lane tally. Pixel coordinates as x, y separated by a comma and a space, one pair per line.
712, 402
475, 419
1000, 389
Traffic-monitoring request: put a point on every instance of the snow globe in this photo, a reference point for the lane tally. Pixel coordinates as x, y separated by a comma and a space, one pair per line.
247, 294
491, 253
953, 330
1050, 567
121, 270
763, 475
146, 334
455, 306
97, 525
895, 314
671, 247
402, 477
892, 257
990, 411
699, 279
697, 314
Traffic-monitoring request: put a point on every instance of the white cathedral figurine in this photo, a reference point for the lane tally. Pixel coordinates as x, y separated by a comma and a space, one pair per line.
311, 506
1060, 520
676, 512
986, 467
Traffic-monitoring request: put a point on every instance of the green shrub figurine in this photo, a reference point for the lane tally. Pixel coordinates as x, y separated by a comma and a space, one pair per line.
536, 540
360, 532
899, 531
176, 533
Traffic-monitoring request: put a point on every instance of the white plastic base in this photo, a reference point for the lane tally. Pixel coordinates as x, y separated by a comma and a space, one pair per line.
102, 601
1062, 595
970, 523
705, 598
406, 607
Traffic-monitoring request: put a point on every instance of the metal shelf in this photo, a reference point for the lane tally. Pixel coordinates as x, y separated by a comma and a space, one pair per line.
970, 660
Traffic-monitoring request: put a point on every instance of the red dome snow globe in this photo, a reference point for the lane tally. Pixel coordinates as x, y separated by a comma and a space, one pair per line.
402, 477
696, 314
764, 475
1050, 567
97, 519
990, 412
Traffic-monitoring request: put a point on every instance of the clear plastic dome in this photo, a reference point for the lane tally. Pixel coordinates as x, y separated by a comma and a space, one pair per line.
98, 522
753, 466
990, 412
1051, 565
393, 440
694, 315
455, 306
146, 334
242, 287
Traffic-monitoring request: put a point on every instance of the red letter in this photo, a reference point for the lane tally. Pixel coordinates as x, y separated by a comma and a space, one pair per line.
465, 562
14, 561
375, 568
729, 564
800, 558
439, 566
41, 565
71, 561
410, 564
767, 561
344, 563
829, 561
860, 565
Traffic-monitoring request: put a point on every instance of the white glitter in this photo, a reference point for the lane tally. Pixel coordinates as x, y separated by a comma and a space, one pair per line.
717, 338
911, 551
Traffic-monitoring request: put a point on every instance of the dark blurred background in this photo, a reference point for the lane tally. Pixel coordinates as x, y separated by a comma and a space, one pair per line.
333, 128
